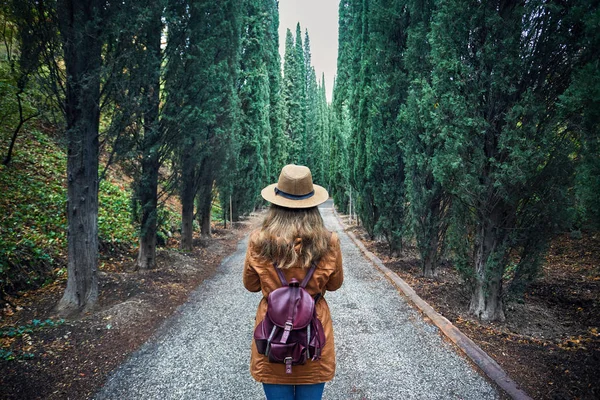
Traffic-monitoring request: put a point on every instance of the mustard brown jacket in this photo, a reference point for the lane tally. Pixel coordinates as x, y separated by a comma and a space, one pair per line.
260, 275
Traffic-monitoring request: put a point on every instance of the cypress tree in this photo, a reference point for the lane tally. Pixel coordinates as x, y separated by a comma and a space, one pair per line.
278, 150
313, 145
429, 203
581, 104
340, 118
387, 44
301, 93
151, 146
323, 127
498, 74
211, 60
292, 100
254, 94
82, 43
378, 172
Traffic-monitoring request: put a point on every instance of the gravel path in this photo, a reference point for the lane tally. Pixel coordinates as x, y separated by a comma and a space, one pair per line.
384, 349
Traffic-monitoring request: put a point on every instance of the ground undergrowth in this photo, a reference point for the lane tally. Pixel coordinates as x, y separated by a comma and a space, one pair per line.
43, 356
550, 341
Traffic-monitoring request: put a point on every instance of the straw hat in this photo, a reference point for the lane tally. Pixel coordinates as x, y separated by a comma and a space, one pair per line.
295, 189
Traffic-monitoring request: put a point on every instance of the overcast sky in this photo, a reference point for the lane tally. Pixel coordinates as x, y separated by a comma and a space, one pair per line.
320, 17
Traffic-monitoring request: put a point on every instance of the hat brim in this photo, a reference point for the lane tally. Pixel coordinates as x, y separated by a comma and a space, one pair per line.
319, 197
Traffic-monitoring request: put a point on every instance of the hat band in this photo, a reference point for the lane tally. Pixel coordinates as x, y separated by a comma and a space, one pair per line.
293, 196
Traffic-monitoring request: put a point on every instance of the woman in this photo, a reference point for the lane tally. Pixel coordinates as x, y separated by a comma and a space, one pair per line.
292, 237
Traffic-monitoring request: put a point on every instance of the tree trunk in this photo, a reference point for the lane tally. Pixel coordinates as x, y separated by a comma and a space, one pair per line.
149, 200
430, 261
431, 227
486, 298
205, 222
82, 49
204, 210
15, 134
204, 203
148, 185
188, 194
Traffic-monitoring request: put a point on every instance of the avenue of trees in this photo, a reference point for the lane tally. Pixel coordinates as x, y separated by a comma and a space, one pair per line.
189, 95
472, 127
468, 127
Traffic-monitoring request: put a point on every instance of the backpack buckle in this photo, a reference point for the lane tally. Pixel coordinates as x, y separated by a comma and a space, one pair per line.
288, 365
286, 331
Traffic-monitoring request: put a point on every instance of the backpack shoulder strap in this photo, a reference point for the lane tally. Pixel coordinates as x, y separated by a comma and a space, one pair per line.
309, 275
281, 276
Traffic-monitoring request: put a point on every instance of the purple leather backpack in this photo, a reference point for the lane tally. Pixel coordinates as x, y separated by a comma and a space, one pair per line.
291, 333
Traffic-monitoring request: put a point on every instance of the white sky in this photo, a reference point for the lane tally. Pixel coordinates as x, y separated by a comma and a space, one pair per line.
320, 17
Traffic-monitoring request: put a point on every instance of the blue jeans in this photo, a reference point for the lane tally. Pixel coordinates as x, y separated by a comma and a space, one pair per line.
294, 392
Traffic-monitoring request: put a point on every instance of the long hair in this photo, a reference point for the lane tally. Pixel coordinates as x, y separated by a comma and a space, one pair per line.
293, 236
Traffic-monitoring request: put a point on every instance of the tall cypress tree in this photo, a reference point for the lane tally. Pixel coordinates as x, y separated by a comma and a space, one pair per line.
212, 61
301, 82
340, 118
428, 202
313, 146
323, 127
498, 74
389, 87
278, 149
151, 145
292, 99
82, 43
254, 94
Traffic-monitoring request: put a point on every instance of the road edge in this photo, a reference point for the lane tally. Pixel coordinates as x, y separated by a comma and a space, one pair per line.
487, 364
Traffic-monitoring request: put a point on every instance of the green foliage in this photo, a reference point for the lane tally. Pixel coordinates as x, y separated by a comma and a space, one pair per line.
507, 159
293, 99
17, 331
33, 222
36, 324
33, 236
498, 110
114, 215
255, 135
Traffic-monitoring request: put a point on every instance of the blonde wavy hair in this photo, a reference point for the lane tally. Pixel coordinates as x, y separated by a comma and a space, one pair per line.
292, 237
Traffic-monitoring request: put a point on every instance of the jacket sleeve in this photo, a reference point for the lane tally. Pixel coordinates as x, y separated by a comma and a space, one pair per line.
337, 277
250, 276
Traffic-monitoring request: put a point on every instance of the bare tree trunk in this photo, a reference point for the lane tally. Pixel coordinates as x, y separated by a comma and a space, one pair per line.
205, 229
431, 228
148, 185
430, 261
82, 50
486, 297
148, 197
204, 209
188, 194
204, 202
